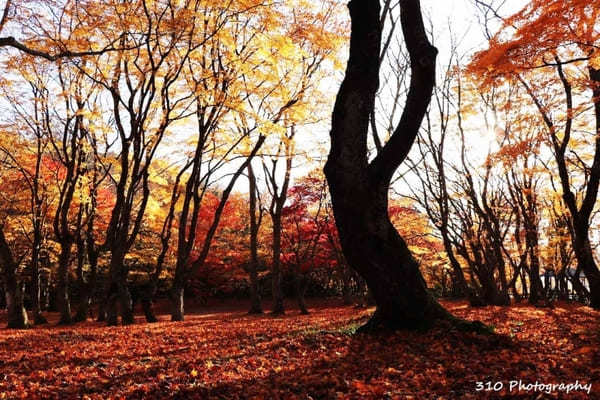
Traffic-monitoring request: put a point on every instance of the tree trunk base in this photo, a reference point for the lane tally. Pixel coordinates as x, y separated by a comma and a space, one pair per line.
79, 318
255, 310
112, 312
595, 299
147, 306
18, 325
178, 313
278, 308
39, 319
82, 311
101, 316
379, 323
17, 318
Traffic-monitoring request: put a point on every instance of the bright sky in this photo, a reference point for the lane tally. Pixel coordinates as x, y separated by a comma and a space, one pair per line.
449, 18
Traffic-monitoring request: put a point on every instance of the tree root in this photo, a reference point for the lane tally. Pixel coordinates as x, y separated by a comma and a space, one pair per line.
437, 316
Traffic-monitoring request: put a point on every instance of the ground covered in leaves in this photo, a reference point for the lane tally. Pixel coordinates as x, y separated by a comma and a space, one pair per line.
221, 352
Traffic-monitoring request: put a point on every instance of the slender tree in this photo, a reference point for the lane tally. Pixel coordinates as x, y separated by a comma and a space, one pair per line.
255, 222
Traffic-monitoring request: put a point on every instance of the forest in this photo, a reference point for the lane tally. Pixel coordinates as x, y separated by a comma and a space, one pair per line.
304, 199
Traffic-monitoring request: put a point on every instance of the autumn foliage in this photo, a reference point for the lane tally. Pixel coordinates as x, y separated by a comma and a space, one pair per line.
167, 158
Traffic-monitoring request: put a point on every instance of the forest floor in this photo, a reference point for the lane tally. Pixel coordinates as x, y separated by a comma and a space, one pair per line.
221, 352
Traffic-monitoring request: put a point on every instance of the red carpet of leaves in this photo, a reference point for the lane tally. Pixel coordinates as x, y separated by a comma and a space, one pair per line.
224, 353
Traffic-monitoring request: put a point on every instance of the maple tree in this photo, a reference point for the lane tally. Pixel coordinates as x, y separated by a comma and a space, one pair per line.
524, 57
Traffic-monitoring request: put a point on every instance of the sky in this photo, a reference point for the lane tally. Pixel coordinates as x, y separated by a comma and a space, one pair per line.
448, 18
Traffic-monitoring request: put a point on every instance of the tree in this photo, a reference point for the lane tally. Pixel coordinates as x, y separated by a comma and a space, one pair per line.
255, 206
278, 199
359, 188
17, 315
433, 195
56, 48
223, 81
570, 47
68, 141
33, 164
305, 243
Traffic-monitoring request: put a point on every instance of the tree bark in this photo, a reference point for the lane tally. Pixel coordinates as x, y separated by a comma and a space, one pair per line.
178, 312
36, 306
359, 189
119, 291
301, 291
85, 288
277, 293
255, 301
17, 315
64, 303
587, 264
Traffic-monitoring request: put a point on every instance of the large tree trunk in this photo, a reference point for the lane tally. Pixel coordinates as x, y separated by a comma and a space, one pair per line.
581, 292
64, 303
373, 247
120, 292
36, 292
148, 305
583, 249
177, 311
586, 263
85, 287
580, 214
359, 188
17, 315
177, 291
277, 293
537, 292
103, 301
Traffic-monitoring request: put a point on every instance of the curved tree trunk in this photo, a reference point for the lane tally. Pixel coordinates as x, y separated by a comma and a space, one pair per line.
17, 315
148, 305
375, 249
359, 188
103, 303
